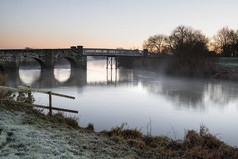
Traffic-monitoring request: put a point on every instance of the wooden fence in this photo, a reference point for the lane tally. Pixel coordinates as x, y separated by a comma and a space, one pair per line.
29, 90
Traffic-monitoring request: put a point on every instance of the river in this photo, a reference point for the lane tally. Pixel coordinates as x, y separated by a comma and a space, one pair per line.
145, 100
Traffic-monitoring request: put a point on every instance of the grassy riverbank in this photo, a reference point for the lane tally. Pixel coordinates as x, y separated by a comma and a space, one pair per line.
28, 133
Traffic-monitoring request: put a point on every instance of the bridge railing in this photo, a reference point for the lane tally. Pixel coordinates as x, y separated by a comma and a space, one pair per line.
112, 52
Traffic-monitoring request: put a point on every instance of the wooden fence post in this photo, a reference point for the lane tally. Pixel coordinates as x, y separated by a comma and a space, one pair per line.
29, 99
50, 102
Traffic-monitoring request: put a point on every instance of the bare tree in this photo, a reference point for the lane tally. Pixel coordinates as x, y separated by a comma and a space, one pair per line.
184, 37
189, 47
227, 41
222, 37
155, 43
234, 43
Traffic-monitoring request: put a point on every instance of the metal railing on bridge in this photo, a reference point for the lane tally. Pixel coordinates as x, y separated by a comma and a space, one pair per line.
112, 52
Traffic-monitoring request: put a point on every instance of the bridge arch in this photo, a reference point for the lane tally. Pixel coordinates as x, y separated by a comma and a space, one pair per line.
40, 61
73, 63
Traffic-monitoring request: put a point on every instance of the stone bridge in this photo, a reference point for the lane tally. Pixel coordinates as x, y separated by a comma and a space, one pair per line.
77, 56
11, 59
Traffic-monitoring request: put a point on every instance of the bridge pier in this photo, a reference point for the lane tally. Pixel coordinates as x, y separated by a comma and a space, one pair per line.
47, 78
110, 77
13, 78
78, 77
110, 60
116, 63
79, 63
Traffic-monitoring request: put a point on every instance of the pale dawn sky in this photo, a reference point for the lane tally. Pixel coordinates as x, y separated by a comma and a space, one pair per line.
106, 23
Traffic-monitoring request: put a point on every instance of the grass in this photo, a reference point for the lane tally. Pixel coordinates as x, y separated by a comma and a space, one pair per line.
57, 118
124, 133
200, 144
70, 121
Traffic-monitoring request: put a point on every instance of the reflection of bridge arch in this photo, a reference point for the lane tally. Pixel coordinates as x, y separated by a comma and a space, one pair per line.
78, 78
47, 79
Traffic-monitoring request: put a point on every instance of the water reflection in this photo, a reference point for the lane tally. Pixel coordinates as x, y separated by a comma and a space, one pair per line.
62, 70
220, 93
62, 75
28, 77
184, 93
96, 71
188, 93
29, 72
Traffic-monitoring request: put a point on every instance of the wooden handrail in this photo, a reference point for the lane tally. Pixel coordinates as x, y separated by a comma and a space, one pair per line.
29, 90
40, 106
44, 92
9, 88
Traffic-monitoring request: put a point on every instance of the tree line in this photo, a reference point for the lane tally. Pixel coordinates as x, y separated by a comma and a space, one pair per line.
224, 43
190, 49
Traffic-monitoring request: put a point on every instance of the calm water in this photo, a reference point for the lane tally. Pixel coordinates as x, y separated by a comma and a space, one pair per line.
108, 98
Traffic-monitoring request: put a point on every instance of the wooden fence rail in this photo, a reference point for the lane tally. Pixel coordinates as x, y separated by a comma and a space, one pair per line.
29, 90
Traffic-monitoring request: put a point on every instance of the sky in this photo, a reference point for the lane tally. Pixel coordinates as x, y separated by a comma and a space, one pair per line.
106, 23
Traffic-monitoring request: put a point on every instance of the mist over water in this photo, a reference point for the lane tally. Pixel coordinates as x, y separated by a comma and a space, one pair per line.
109, 97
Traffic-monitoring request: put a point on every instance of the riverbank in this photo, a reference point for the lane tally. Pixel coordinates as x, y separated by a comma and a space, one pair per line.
28, 133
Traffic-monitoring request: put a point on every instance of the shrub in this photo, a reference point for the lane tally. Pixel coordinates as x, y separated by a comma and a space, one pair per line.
90, 127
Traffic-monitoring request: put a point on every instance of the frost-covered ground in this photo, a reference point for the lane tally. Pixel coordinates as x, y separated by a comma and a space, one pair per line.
27, 133
24, 135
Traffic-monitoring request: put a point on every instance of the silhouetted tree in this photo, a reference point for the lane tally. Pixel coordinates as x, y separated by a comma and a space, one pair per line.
227, 41
189, 47
155, 43
186, 38
233, 46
